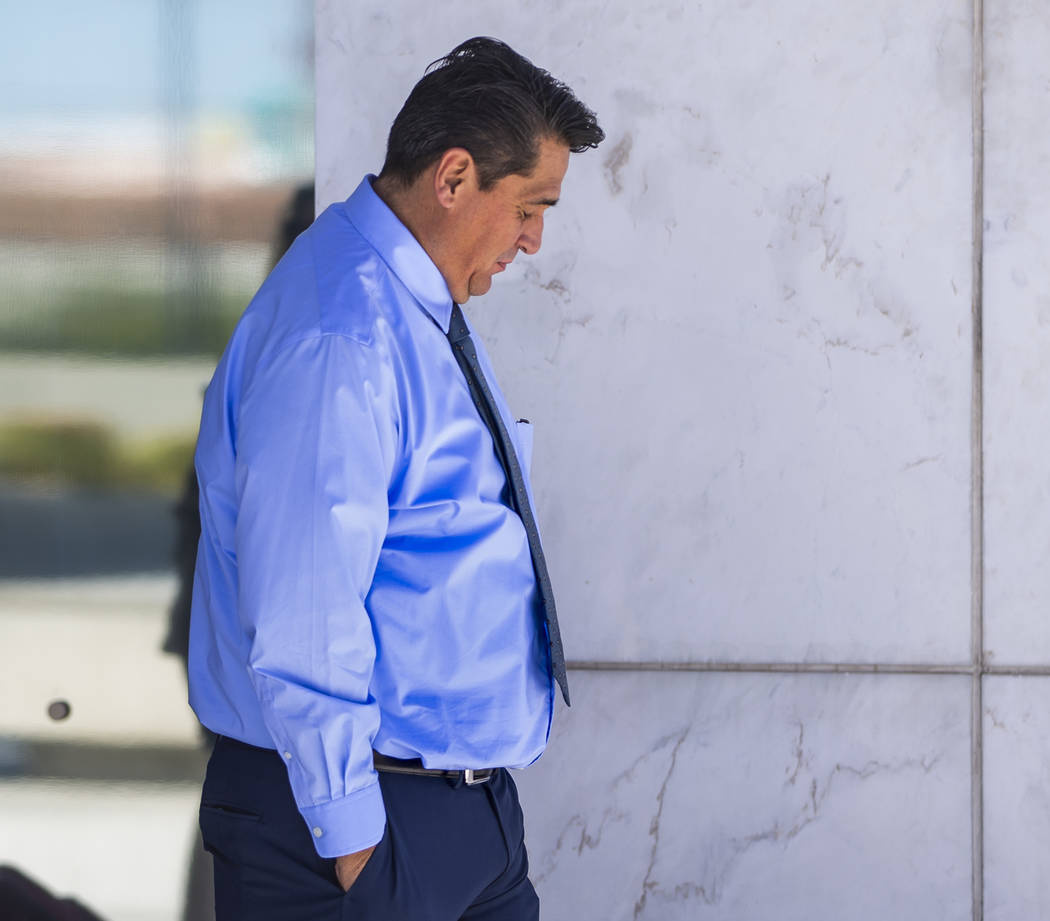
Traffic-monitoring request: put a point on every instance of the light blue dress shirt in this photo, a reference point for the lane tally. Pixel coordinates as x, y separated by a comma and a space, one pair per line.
360, 581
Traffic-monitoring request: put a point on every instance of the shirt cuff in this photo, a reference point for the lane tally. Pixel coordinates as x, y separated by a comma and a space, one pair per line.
347, 825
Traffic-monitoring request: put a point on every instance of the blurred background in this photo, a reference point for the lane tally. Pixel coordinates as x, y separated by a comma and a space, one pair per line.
150, 151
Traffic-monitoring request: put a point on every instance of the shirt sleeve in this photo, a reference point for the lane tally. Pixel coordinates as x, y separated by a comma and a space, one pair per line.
315, 446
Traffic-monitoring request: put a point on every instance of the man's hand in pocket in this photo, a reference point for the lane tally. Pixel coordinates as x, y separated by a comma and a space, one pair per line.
349, 867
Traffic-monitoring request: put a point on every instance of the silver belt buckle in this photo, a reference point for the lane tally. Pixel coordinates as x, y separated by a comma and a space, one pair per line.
470, 780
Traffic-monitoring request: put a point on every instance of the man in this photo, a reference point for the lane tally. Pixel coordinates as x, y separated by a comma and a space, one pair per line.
373, 638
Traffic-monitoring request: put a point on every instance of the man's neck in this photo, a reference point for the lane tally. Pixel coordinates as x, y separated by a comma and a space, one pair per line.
410, 207
399, 199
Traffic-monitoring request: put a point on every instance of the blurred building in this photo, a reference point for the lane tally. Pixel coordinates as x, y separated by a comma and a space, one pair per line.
148, 151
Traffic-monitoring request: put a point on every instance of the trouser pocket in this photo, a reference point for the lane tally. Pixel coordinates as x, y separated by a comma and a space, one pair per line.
266, 866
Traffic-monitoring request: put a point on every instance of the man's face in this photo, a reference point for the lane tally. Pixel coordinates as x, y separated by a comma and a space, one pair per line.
497, 224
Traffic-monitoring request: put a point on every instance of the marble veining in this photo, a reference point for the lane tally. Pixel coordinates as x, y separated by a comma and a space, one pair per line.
725, 796
1017, 798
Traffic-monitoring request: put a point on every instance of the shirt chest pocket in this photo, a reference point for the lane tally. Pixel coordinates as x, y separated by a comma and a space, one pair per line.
523, 441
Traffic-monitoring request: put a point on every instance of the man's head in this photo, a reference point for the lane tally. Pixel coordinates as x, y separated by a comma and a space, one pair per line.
477, 154
486, 98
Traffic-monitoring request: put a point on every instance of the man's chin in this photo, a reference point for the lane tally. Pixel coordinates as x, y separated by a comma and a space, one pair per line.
479, 286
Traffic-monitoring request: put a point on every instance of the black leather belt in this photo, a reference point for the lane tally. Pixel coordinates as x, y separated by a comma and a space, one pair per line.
470, 777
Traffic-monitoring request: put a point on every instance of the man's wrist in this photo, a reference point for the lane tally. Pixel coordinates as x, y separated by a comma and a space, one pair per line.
348, 825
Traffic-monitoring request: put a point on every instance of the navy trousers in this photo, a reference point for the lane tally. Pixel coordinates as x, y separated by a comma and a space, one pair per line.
450, 851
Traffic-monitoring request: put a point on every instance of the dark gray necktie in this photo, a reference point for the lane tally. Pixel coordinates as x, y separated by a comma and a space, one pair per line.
467, 356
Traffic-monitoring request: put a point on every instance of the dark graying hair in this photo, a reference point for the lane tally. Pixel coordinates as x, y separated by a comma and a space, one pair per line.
485, 97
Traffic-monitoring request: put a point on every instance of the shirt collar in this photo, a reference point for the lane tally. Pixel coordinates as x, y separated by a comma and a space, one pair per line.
400, 251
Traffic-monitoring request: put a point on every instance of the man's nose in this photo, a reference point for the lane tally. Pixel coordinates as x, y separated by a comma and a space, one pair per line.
531, 235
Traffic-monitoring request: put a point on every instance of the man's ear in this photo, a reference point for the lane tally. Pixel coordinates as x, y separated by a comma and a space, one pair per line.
455, 173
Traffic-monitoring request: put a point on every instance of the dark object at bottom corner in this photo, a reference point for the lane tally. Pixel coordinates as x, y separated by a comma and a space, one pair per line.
22, 899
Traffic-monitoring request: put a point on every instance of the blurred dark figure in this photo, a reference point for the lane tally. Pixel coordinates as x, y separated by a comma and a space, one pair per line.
200, 895
298, 215
21, 899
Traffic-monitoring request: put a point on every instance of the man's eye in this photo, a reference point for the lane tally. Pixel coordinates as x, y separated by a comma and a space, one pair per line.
524, 215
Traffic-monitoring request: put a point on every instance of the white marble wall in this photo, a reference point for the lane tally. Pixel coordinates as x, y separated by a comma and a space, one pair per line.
1017, 798
755, 796
748, 328
1017, 473
1017, 330
747, 347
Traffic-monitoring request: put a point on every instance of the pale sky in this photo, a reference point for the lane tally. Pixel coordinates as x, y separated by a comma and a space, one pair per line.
117, 55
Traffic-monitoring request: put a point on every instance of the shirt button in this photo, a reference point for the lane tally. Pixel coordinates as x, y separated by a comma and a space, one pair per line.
288, 756
317, 832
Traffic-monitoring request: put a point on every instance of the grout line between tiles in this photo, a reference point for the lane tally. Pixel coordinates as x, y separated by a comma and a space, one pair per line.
977, 791
977, 463
817, 668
